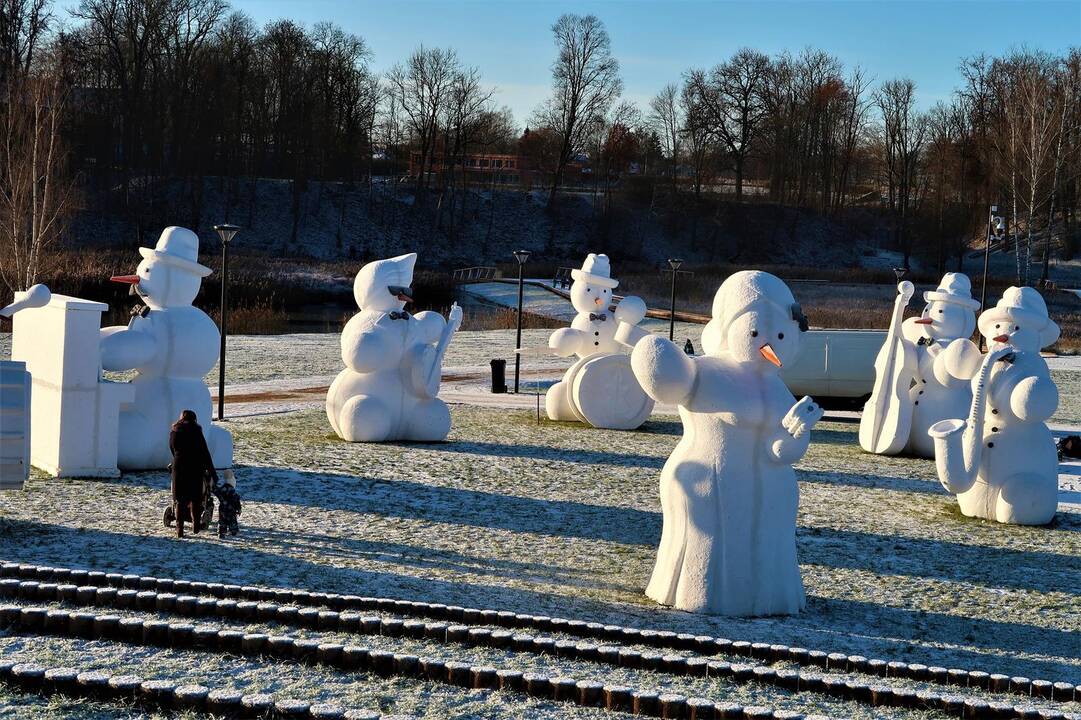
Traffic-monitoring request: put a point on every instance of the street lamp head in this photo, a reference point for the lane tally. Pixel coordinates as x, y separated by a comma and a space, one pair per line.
674, 263
522, 256
998, 224
226, 232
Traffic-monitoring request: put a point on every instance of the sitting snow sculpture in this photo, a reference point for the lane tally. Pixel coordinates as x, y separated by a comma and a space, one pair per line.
728, 492
1002, 463
393, 361
172, 346
923, 372
599, 389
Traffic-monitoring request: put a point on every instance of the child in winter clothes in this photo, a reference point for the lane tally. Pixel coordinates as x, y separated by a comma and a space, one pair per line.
228, 505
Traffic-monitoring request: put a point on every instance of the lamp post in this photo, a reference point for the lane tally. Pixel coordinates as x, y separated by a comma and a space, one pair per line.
522, 256
226, 233
996, 227
673, 263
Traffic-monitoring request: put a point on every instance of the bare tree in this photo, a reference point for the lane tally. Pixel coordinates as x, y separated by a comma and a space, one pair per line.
420, 88
730, 96
35, 188
585, 83
666, 116
23, 25
904, 132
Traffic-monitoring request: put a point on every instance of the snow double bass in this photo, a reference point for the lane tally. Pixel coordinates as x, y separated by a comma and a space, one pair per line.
887, 416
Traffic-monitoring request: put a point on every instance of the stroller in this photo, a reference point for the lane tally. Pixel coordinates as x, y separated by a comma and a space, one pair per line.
168, 517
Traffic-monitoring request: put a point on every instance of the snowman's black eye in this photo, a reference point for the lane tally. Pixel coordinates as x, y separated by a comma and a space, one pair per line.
780, 336
589, 289
754, 333
1016, 327
939, 312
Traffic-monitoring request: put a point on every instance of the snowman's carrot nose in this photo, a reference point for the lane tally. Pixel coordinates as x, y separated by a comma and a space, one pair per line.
767, 353
925, 321
1001, 338
126, 279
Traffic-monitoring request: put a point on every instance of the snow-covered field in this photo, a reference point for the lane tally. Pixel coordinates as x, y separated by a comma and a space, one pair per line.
557, 519
526, 515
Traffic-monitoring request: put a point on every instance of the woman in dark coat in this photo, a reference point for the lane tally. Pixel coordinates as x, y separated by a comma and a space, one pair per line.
191, 465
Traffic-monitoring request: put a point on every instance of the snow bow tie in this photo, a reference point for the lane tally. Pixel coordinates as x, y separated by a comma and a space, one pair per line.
602, 317
403, 315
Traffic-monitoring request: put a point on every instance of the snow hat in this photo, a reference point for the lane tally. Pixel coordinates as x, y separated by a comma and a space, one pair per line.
1020, 305
370, 286
955, 288
596, 270
738, 294
229, 478
178, 247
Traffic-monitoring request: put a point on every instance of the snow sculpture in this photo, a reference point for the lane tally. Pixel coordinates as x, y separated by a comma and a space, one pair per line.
393, 361
172, 346
1002, 463
15, 401
74, 415
599, 389
728, 492
14, 425
923, 372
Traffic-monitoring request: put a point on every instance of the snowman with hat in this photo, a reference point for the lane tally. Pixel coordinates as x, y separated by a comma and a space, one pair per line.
946, 358
171, 345
1002, 462
599, 388
393, 361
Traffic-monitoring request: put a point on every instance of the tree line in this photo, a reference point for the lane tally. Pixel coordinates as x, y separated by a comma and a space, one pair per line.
132, 108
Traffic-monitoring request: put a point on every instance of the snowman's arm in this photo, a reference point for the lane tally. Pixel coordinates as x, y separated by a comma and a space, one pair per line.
791, 443
565, 342
429, 326
1034, 399
957, 363
125, 349
663, 370
630, 310
370, 350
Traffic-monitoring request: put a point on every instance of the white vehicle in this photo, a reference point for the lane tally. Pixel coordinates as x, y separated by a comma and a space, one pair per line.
835, 367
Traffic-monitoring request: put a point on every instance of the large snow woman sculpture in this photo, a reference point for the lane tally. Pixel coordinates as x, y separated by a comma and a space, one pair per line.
728, 492
1002, 463
393, 361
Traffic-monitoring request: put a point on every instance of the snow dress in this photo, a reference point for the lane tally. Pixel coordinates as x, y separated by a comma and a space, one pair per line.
728, 543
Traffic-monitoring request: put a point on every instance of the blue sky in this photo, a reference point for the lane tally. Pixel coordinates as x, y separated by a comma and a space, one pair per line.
510, 41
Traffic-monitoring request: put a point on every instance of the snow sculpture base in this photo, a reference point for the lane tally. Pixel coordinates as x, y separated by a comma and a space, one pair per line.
74, 414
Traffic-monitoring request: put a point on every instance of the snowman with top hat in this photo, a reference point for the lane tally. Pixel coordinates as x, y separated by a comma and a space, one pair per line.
393, 361
600, 388
1001, 461
171, 345
947, 359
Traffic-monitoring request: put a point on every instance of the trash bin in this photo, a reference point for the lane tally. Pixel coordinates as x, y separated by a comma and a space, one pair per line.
499, 375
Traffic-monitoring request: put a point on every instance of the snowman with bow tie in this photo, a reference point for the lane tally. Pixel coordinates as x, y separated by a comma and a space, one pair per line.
600, 388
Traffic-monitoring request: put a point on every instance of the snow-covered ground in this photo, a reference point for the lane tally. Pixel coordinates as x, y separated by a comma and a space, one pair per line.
515, 512
558, 519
